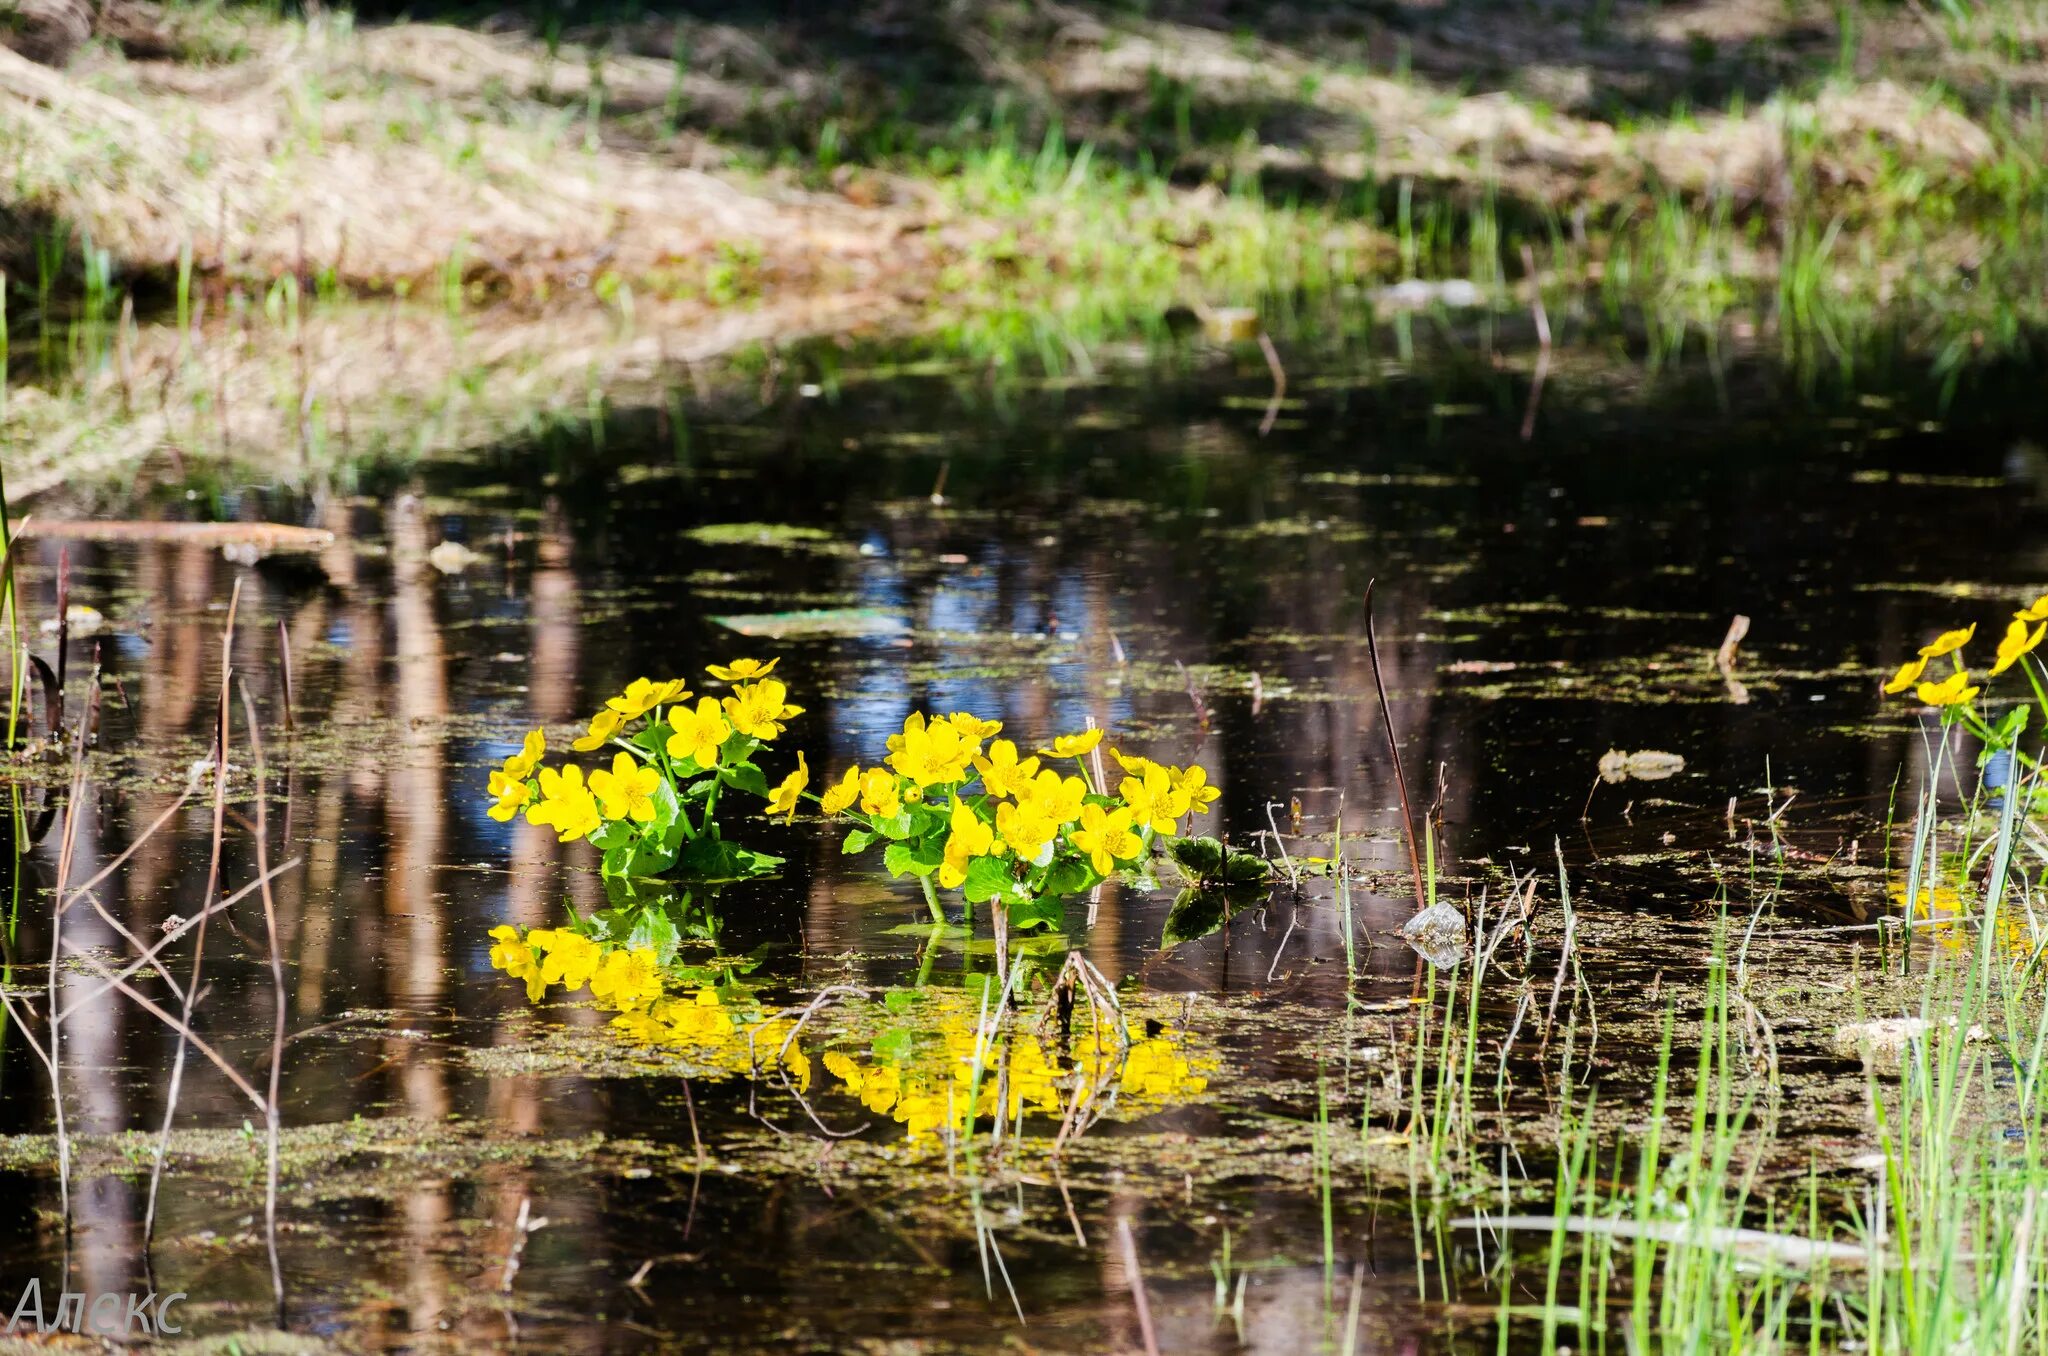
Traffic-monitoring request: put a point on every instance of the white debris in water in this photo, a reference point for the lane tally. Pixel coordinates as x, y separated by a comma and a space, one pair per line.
452, 557
1882, 1043
85, 621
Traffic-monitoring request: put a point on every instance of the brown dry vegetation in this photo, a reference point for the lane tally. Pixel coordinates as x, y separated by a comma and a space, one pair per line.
847, 172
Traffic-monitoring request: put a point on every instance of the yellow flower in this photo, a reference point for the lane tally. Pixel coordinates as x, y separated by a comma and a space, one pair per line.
1154, 799
1025, 829
627, 790
512, 794
520, 765
643, 695
1908, 674
516, 957
782, 801
1948, 642
973, 726
1106, 836
1002, 772
758, 709
1134, 766
2034, 611
969, 838
1074, 745
2018, 641
572, 958
1057, 798
878, 794
841, 793
1950, 691
603, 726
627, 979
565, 804
697, 734
1194, 784
931, 754
741, 670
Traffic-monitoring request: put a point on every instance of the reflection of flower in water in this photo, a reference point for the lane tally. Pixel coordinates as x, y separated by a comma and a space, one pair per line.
711, 1031
1950, 917
934, 1085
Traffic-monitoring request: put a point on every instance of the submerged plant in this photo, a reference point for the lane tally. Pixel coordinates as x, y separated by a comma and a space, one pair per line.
652, 810
1007, 827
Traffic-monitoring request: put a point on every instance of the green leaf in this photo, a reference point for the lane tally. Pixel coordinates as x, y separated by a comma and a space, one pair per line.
895, 1046
857, 840
1038, 911
897, 828
900, 1000
1199, 857
905, 859
987, 877
1243, 868
744, 777
1068, 876
615, 833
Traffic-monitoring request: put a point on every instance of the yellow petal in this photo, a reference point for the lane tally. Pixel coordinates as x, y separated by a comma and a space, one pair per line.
1948, 642
1908, 674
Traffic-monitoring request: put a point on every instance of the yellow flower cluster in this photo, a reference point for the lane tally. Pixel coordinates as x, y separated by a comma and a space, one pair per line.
619, 977
1030, 805
562, 799
2023, 635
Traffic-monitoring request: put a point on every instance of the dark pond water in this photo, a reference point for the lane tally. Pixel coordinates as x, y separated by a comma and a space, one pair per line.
1129, 554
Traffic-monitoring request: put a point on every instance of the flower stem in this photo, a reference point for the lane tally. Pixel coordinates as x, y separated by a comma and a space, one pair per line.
931, 899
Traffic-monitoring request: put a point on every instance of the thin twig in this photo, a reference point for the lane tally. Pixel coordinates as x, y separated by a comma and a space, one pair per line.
220, 800
1135, 1278
277, 982
1372, 649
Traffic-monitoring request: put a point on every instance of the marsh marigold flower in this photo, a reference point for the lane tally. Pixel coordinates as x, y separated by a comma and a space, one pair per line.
521, 765
841, 793
759, 709
566, 804
1025, 829
1950, 691
931, 754
741, 670
973, 726
697, 734
643, 695
626, 790
878, 794
1105, 835
1194, 784
1948, 642
1058, 798
968, 838
2034, 611
1075, 745
1002, 772
2018, 640
1154, 799
512, 794
1133, 765
782, 801
1908, 674
603, 726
